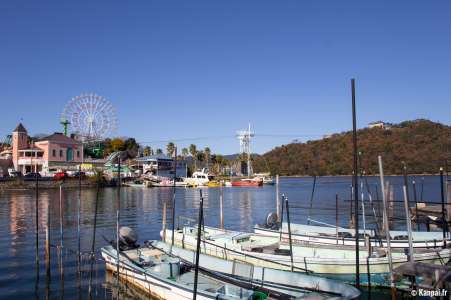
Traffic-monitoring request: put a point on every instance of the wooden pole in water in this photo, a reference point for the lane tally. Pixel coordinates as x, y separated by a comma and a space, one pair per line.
78, 226
221, 208
93, 242
408, 222
199, 230
118, 218
173, 198
277, 199
387, 230
47, 243
448, 190
164, 220
289, 233
37, 219
354, 183
61, 241
336, 217
444, 221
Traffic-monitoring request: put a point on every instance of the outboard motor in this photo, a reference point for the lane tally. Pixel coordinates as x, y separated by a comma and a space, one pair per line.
127, 239
271, 221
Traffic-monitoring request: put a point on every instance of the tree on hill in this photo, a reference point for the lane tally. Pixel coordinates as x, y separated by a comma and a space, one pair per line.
423, 145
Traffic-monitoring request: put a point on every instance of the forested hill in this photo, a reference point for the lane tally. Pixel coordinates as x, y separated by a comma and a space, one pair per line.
423, 145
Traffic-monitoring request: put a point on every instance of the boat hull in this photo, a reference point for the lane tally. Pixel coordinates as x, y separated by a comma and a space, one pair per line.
306, 238
247, 183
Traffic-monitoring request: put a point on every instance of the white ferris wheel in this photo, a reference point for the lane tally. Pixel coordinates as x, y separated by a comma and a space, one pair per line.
91, 116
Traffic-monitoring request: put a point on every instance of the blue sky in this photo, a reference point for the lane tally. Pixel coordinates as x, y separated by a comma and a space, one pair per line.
178, 70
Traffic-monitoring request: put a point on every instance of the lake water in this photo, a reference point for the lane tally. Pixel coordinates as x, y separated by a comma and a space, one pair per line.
141, 209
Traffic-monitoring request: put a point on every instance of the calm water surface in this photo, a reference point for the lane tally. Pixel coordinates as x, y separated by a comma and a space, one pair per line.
141, 209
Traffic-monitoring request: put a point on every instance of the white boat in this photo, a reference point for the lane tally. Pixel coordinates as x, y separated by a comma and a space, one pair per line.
332, 261
265, 177
312, 234
297, 283
165, 277
198, 178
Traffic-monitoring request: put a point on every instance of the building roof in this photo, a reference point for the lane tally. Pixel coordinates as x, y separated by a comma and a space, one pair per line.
58, 137
154, 157
20, 128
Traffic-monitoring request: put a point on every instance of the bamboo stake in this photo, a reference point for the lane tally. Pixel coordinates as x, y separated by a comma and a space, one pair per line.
118, 217
408, 222
173, 198
444, 220
416, 204
277, 198
164, 220
221, 208
311, 199
387, 230
94, 242
336, 217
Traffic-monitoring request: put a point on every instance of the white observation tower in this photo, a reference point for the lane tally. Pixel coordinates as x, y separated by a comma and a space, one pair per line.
244, 136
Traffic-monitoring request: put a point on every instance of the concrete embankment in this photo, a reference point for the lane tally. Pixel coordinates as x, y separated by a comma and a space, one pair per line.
21, 184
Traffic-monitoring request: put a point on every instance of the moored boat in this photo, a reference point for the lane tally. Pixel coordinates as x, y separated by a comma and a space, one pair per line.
313, 234
294, 282
248, 182
331, 262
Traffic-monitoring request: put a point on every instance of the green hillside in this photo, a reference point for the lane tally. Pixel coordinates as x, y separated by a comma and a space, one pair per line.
423, 145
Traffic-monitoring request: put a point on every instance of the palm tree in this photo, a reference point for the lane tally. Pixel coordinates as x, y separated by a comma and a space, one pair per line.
193, 152
170, 148
185, 152
147, 151
207, 153
159, 151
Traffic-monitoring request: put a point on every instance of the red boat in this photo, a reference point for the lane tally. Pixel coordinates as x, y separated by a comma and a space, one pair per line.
248, 182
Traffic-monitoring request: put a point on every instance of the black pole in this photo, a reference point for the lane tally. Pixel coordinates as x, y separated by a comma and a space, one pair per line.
414, 187
311, 198
354, 183
199, 230
289, 233
173, 196
281, 219
444, 221
406, 181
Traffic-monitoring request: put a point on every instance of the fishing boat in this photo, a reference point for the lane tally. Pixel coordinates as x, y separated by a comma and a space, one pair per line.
248, 182
333, 262
298, 284
313, 234
163, 274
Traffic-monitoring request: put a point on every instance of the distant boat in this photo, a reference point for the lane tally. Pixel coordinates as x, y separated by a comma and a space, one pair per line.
199, 178
265, 177
248, 182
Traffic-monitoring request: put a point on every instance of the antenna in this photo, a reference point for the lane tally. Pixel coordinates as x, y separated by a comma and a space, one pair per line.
244, 136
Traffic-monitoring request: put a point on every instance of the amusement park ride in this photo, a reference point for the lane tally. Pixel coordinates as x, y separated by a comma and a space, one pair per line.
92, 118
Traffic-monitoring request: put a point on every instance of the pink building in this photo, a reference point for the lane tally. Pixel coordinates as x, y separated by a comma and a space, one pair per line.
54, 152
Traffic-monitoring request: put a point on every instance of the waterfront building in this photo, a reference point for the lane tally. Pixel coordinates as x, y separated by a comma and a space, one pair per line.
161, 165
51, 153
